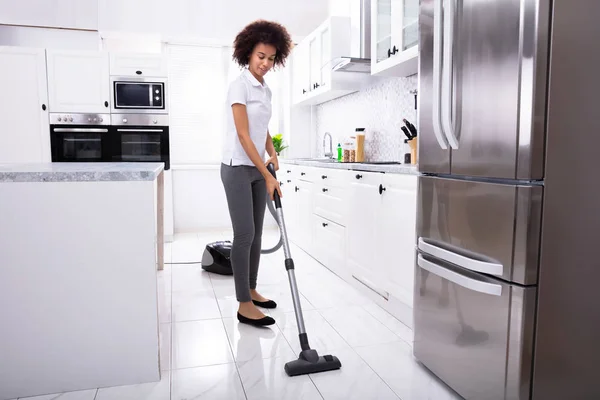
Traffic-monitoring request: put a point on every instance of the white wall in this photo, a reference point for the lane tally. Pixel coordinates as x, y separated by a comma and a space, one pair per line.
199, 200
379, 109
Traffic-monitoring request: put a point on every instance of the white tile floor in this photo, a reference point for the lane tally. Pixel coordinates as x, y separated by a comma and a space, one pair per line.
207, 354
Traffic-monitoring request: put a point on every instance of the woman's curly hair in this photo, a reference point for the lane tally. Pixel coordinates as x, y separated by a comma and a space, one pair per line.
265, 32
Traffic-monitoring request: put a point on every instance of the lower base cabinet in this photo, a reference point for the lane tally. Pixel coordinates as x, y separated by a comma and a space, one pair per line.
359, 225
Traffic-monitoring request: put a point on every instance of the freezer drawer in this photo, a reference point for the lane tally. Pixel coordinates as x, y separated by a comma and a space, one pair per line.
474, 332
485, 227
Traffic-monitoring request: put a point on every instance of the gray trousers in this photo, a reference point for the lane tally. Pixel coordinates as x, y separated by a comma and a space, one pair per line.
246, 191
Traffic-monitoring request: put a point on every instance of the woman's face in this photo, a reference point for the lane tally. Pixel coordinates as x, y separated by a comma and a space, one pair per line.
262, 59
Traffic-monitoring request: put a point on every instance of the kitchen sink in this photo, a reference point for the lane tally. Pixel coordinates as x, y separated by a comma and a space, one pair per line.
327, 160
331, 160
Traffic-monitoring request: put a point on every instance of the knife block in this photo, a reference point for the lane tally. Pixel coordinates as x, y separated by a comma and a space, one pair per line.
413, 150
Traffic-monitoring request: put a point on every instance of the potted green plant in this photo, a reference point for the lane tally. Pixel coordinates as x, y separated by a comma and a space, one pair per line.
278, 143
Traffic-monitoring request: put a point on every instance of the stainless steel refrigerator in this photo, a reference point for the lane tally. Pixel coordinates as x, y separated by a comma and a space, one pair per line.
508, 221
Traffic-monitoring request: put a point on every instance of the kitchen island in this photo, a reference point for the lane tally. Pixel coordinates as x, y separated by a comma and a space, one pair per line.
81, 245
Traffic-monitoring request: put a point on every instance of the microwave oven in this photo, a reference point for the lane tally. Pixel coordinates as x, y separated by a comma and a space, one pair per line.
133, 95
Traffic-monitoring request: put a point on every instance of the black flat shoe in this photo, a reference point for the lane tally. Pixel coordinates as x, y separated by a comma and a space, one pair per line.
265, 304
264, 321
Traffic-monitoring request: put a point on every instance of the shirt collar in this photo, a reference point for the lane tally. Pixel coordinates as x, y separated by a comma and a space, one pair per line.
252, 79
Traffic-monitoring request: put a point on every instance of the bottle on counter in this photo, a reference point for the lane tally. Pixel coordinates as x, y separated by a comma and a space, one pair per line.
339, 152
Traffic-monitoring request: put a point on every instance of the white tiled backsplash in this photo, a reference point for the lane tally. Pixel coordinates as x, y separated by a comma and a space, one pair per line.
379, 109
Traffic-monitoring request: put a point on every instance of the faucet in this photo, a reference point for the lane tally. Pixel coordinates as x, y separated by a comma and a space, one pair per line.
330, 153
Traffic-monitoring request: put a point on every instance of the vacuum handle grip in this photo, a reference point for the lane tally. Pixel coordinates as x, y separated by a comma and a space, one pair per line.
276, 197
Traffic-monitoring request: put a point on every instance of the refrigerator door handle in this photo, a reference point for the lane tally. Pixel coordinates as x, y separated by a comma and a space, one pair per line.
447, 88
437, 74
464, 281
460, 260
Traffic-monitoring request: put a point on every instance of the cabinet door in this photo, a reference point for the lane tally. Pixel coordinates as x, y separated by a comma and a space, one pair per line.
396, 235
382, 13
78, 82
301, 72
410, 24
25, 135
396, 20
289, 203
314, 46
325, 65
362, 226
305, 210
144, 65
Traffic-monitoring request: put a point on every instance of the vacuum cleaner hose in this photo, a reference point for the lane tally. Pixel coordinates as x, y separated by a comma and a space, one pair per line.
274, 214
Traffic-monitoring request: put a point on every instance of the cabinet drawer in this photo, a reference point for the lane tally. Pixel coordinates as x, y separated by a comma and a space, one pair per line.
304, 173
330, 202
365, 178
333, 177
150, 65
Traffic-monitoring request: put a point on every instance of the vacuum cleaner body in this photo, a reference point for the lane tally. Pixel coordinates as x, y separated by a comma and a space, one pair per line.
217, 258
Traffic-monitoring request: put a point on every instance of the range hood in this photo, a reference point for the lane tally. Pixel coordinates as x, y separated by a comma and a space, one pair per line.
360, 59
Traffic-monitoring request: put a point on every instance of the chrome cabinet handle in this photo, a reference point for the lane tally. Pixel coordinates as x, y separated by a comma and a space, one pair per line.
460, 260
464, 281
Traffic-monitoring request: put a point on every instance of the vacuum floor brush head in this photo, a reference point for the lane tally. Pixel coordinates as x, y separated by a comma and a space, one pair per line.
312, 365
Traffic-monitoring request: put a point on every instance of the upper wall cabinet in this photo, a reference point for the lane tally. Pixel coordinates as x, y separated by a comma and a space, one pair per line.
25, 134
78, 81
314, 82
394, 37
142, 65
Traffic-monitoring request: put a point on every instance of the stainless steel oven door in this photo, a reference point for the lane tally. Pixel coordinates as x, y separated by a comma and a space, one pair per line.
79, 144
131, 95
141, 144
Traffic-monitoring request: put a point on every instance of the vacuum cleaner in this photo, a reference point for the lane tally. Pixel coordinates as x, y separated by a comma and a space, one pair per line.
309, 361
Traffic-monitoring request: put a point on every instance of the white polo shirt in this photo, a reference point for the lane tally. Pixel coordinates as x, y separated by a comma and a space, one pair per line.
247, 90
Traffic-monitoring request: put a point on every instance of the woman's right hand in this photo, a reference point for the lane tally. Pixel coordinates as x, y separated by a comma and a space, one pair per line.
272, 186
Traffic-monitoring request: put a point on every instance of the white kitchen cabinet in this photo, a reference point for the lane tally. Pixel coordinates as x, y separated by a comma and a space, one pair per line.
304, 198
362, 233
301, 72
78, 81
314, 58
396, 235
143, 65
394, 37
381, 233
360, 225
25, 134
80, 14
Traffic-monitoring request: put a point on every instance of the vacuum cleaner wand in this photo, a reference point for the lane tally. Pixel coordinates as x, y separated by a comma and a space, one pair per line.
309, 361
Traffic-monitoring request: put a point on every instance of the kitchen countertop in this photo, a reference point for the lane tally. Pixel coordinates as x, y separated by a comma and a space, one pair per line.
80, 172
407, 169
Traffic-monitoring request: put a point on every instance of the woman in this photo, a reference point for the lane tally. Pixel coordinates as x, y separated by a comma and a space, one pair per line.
258, 47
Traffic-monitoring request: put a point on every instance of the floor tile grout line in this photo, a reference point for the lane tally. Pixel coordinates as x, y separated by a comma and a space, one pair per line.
237, 369
383, 323
373, 369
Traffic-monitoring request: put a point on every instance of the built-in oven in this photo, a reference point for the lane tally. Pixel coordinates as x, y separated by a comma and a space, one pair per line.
135, 95
80, 137
140, 138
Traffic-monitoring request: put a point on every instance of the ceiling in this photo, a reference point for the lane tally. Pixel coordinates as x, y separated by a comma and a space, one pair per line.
219, 20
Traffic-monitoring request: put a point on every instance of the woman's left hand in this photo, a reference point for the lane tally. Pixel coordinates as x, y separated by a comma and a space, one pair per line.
273, 160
